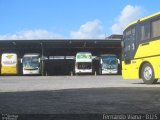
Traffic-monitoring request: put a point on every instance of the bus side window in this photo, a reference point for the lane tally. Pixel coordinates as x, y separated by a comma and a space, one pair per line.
144, 32
155, 27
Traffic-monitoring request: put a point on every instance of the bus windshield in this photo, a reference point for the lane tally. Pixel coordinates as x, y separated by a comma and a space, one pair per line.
9, 59
31, 62
109, 62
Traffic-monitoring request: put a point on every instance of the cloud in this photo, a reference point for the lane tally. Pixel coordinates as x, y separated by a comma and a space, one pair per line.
89, 30
31, 34
128, 14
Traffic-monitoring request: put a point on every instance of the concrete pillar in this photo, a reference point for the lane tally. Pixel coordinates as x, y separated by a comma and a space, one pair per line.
95, 73
42, 56
71, 73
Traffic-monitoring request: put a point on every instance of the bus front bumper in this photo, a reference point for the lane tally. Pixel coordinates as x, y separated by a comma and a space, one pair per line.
109, 71
83, 71
31, 72
7, 70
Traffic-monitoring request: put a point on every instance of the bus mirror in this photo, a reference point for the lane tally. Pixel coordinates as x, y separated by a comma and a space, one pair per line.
21, 60
122, 44
118, 61
39, 60
101, 61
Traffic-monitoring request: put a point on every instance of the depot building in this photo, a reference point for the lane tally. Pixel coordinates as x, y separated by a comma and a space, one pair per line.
58, 55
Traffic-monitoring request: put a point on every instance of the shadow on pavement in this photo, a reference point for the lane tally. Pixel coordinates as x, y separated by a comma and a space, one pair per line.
82, 101
147, 84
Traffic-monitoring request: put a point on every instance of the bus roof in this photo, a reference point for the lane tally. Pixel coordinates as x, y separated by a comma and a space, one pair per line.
108, 55
31, 54
142, 19
4, 54
83, 53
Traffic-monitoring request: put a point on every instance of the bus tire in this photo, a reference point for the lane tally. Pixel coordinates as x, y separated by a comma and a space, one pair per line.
147, 74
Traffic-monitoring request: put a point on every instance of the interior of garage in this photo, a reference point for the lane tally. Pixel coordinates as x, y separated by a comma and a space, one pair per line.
59, 54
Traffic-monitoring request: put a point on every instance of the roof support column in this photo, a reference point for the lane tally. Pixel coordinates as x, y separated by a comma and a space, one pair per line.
42, 59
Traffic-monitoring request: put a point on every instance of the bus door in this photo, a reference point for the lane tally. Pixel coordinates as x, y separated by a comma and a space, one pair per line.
130, 45
129, 52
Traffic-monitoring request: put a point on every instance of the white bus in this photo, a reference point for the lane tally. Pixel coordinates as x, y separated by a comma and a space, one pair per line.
83, 63
108, 64
31, 64
9, 64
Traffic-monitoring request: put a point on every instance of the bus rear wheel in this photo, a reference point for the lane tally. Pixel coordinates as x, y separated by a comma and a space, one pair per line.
147, 74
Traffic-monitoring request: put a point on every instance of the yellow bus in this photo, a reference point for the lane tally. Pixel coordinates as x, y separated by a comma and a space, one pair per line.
141, 49
9, 64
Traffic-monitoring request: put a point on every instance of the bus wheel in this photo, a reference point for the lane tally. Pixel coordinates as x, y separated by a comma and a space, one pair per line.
147, 74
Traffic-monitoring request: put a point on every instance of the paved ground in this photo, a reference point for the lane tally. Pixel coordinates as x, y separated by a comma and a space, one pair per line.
38, 83
77, 94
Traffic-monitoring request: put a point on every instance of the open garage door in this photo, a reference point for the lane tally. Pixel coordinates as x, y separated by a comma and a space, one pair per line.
59, 65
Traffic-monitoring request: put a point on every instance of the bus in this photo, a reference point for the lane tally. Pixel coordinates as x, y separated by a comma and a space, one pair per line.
108, 64
83, 63
31, 64
141, 50
9, 64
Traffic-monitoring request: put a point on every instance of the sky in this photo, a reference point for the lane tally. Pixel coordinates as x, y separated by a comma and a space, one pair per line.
70, 19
